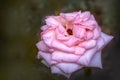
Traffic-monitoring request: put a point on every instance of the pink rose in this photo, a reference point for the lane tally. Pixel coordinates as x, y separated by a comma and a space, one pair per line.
70, 42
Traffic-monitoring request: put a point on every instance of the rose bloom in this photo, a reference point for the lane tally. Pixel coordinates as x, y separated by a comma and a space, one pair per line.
70, 42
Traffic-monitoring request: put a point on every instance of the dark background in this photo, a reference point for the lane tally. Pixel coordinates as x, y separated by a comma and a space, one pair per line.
20, 22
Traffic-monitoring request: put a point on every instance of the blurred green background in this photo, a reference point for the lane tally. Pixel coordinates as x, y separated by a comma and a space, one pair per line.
20, 22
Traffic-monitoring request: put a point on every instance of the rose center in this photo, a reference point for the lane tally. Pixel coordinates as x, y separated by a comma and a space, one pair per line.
69, 31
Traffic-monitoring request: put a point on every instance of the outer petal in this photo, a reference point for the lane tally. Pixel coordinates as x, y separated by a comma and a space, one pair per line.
45, 56
48, 36
42, 46
69, 16
51, 21
68, 67
107, 38
92, 17
96, 60
89, 23
96, 33
100, 43
85, 15
85, 59
64, 57
56, 70
44, 27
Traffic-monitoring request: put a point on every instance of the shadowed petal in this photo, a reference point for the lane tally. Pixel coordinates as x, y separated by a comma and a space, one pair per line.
68, 67
107, 38
45, 56
96, 60
85, 59
56, 70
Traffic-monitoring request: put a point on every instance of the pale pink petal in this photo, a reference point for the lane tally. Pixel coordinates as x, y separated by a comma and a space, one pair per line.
64, 57
61, 35
42, 46
48, 37
51, 21
89, 35
45, 56
107, 38
100, 43
96, 60
68, 67
69, 16
78, 19
79, 50
58, 45
61, 29
88, 44
72, 41
79, 32
85, 59
56, 70
85, 15
92, 17
90, 23
44, 27
89, 27
96, 33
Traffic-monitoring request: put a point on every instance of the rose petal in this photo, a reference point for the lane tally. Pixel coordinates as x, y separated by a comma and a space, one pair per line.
46, 57
79, 51
72, 41
92, 17
89, 23
68, 67
58, 45
64, 57
107, 38
42, 46
96, 60
79, 32
48, 36
51, 21
100, 43
88, 44
44, 27
85, 15
96, 33
85, 59
69, 16
58, 71
89, 35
